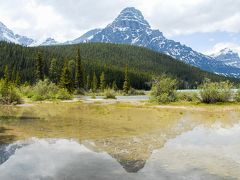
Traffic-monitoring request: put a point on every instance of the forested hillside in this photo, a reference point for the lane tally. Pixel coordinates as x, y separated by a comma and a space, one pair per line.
99, 57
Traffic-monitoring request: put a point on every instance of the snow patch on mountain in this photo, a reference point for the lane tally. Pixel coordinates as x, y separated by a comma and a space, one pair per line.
8, 36
85, 37
130, 27
228, 57
49, 41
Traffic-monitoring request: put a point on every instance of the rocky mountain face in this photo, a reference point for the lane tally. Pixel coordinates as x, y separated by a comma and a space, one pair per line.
49, 42
85, 37
130, 27
8, 35
228, 57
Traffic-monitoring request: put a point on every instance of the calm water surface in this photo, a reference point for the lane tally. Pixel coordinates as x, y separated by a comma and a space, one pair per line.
118, 141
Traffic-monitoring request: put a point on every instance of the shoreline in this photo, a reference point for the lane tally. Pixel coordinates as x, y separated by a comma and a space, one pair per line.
197, 106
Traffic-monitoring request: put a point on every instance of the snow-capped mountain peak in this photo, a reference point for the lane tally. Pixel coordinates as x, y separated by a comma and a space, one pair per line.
130, 27
132, 18
49, 41
3, 27
228, 56
225, 51
85, 37
8, 36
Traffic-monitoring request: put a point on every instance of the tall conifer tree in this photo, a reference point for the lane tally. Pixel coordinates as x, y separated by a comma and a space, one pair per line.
53, 71
114, 86
79, 80
126, 84
6, 75
17, 79
88, 83
102, 82
65, 80
94, 83
39, 68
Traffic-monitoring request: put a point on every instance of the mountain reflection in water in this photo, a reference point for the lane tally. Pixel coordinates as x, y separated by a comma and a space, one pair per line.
201, 153
105, 142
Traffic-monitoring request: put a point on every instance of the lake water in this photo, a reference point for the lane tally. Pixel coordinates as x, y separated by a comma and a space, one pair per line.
118, 141
118, 98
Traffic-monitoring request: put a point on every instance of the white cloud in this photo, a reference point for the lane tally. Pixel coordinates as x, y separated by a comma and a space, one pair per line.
219, 46
36, 20
66, 20
188, 16
211, 40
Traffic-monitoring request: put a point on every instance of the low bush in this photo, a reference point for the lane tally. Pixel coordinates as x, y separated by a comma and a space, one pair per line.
9, 94
135, 92
46, 90
213, 92
109, 94
237, 96
164, 89
26, 90
79, 92
93, 96
63, 94
187, 96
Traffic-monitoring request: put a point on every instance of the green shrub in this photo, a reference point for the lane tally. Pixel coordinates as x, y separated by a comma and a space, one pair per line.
26, 90
93, 95
46, 90
213, 92
164, 89
135, 92
237, 96
80, 91
63, 94
187, 96
9, 94
109, 94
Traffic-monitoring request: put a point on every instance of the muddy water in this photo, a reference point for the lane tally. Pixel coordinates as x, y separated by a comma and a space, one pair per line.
118, 141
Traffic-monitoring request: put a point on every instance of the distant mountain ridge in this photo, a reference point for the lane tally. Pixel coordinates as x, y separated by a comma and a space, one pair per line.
85, 37
8, 35
49, 42
228, 56
130, 27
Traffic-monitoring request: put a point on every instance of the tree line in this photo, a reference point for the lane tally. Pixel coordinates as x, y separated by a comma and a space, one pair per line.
72, 76
96, 58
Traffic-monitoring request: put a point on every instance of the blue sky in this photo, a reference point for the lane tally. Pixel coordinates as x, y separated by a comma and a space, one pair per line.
209, 42
204, 25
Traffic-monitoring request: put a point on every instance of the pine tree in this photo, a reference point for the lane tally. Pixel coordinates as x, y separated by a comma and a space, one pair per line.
6, 75
53, 71
13, 76
39, 70
79, 80
88, 83
65, 80
114, 86
5, 89
126, 84
102, 82
71, 67
94, 83
17, 80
